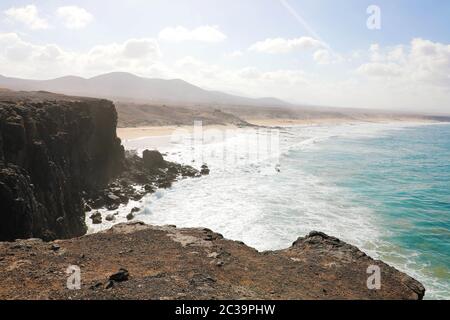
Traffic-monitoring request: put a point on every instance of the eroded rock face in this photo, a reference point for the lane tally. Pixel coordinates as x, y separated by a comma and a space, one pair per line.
194, 264
51, 152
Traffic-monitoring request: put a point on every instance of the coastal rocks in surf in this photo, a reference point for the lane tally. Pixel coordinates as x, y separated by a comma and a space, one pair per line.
142, 175
196, 264
96, 218
204, 170
53, 149
153, 159
132, 213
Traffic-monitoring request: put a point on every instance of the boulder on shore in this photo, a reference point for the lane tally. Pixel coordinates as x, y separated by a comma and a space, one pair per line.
96, 218
153, 159
204, 170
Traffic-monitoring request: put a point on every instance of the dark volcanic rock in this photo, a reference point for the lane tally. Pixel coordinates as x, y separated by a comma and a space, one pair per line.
153, 159
205, 170
51, 152
96, 218
150, 172
120, 276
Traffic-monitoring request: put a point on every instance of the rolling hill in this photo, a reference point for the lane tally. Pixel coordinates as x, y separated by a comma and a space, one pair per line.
129, 87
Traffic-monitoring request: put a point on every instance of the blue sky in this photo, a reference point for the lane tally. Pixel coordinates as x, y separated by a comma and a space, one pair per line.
252, 47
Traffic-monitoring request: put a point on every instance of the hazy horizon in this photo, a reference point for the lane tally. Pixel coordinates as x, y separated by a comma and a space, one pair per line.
303, 52
291, 104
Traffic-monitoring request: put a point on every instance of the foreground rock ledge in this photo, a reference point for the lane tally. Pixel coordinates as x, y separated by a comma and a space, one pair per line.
170, 263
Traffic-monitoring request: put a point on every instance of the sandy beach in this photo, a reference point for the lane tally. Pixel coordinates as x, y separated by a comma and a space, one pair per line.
162, 131
129, 133
282, 122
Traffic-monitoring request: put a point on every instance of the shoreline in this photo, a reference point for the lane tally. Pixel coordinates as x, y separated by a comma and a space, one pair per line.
133, 133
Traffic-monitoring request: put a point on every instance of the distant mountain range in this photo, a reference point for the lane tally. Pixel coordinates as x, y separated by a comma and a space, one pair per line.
127, 86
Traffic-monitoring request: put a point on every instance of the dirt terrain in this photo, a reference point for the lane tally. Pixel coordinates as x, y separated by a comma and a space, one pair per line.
170, 263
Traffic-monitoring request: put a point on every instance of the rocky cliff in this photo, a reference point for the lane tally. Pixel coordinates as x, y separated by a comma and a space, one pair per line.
137, 261
53, 149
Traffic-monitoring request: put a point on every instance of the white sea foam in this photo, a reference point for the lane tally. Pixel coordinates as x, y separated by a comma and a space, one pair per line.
250, 201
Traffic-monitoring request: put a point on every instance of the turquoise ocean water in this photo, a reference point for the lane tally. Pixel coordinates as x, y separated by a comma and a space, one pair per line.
403, 176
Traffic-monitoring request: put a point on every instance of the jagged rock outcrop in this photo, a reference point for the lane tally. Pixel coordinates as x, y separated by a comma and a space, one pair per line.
53, 149
170, 263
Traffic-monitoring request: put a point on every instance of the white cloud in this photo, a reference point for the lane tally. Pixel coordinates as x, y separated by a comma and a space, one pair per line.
21, 58
423, 61
141, 48
376, 69
198, 71
235, 54
250, 73
281, 45
430, 62
250, 80
410, 77
188, 62
74, 17
286, 77
28, 15
134, 55
210, 34
24, 59
322, 56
